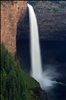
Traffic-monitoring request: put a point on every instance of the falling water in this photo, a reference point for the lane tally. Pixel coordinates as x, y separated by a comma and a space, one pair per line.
35, 47
46, 78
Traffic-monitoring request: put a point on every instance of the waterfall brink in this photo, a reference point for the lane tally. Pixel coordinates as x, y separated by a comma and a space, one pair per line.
35, 47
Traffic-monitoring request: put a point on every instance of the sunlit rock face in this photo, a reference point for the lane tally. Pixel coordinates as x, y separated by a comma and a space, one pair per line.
11, 12
51, 18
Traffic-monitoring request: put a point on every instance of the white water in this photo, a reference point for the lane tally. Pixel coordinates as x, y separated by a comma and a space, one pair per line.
47, 79
35, 47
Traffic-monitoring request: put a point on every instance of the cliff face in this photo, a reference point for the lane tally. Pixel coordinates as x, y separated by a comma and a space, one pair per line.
51, 17
10, 15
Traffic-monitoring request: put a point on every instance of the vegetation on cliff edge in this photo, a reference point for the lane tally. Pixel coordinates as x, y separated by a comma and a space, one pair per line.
15, 83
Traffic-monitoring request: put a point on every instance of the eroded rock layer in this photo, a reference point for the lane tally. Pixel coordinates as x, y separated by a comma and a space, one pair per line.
10, 15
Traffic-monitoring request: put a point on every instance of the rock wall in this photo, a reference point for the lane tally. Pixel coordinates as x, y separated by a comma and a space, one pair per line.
10, 15
51, 17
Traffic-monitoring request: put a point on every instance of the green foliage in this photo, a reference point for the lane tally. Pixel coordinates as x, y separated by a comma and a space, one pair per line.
12, 83
15, 83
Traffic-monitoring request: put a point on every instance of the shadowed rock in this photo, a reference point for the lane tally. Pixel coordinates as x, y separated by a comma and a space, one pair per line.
51, 18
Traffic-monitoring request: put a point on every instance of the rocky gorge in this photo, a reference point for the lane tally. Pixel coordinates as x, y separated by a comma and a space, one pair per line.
15, 34
51, 17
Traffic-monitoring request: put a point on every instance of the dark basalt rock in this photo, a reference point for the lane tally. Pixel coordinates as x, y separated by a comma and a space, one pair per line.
51, 17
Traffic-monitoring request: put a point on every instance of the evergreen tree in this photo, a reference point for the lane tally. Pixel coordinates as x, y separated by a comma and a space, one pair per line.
12, 83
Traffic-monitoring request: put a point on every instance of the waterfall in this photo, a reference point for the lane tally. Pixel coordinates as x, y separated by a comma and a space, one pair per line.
35, 47
46, 78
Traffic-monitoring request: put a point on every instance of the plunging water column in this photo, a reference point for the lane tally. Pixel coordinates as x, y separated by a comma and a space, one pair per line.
46, 78
36, 70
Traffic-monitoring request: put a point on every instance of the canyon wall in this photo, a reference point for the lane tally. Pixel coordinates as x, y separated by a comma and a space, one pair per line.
10, 15
51, 17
